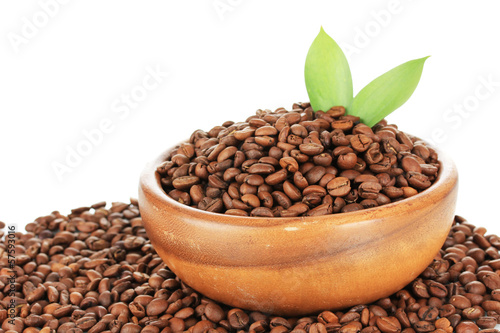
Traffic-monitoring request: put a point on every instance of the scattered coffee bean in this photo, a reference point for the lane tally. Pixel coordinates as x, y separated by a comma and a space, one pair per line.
125, 286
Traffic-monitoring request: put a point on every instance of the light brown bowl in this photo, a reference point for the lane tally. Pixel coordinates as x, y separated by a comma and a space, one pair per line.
300, 265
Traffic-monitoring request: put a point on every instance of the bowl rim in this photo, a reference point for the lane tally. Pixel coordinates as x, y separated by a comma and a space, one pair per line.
443, 185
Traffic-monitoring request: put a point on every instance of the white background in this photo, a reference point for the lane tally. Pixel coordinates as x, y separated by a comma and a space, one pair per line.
65, 72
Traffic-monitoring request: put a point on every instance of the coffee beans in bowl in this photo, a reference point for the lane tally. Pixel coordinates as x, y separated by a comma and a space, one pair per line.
297, 163
250, 213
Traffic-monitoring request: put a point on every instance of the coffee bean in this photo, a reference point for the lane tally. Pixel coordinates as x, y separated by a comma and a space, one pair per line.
424, 326
226, 153
473, 312
486, 322
437, 289
420, 289
428, 313
277, 177
15, 325
261, 168
466, 327
344, 124
388, 324
185, 182
360, 142
347, 161
491, 280
403, 318
291, 191
339, 187
460, 302
315, 174
290, 164
130, 328
156, 307
489, 305
369, 189
475, 287
418, 180
214, 312
326, 317
184, 313
391, 145
63, 311
85, 323
352, 207
408, 163
311, 149
254, 180
317, 328
299, 180
261, 212
237, 319
447, 296
251, 199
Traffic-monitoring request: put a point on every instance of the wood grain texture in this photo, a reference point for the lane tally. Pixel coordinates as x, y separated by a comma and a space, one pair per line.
301, 265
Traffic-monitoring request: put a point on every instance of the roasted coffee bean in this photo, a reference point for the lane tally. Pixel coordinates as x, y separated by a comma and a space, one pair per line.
466, 327
490, 280
323, 209
420, 289
473, 312
261, 212
281, 199
311, 149
214, 312
460, 302
347, 161
408, 163
475, 287
403, 318
424, 326
369, 189
277, 177
489, 305
185, 182
486, 322
85, 323
315, 174
291, 191
251, 200
437, 289
299, 180
237, 319
323, 159
418, 180
389, 324
289, 163
448, 296
352, 207
156, 307
428, 313
261, 168
360, 142
343, 124
339, 187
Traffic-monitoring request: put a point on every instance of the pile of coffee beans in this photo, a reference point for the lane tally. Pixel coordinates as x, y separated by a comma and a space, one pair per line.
297, 163
96, 271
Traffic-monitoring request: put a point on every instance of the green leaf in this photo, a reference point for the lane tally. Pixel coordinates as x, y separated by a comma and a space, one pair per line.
327, 74
387, 92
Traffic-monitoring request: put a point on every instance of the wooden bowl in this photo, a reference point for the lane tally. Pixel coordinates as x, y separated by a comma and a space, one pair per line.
300, 265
